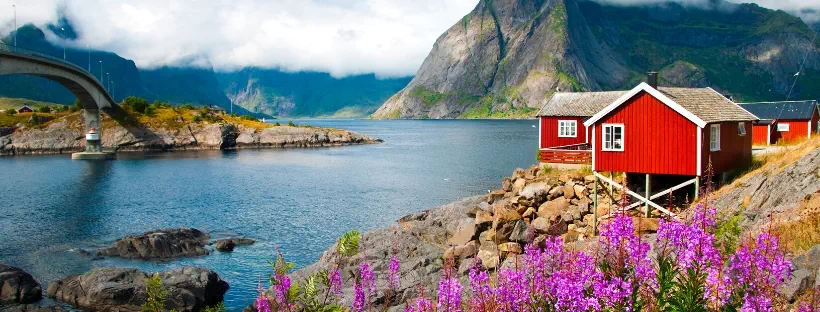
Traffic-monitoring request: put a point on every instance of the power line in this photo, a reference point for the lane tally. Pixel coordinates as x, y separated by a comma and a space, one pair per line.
805, 57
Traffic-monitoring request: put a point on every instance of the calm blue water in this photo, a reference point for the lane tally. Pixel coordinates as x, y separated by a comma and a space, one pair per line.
298, 199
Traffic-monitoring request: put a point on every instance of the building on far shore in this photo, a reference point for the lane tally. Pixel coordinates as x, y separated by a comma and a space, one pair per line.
25, 109
788, 121
216, 109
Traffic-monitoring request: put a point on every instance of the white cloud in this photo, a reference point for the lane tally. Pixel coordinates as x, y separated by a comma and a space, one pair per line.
386, 37
342, 37
809, 10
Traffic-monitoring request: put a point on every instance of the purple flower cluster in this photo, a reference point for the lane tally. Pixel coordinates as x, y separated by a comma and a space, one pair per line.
449, 292
626, 265
358, 297
393, 278
759, 269
335, 279
419, 305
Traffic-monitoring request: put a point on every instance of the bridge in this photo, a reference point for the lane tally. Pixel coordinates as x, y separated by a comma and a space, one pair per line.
89, 91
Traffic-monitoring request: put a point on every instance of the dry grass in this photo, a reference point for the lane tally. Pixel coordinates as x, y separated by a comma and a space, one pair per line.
803, 232
772, 163
15, 103
258, 125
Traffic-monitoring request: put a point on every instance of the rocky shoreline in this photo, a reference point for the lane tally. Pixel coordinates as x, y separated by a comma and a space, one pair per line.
65, 135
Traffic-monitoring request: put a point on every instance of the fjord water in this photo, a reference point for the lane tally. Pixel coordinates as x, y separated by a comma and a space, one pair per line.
299, 200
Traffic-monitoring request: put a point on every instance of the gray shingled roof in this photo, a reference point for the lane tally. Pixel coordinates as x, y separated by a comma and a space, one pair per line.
705, 103
582, 104
782, 110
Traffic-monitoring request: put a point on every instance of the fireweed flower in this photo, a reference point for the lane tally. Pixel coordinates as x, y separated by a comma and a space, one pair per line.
281, 289
449, 292
262, 304
368, 280
335, 277
560, 278
358, 297
393, 274
627, 265
760, 269
482, 298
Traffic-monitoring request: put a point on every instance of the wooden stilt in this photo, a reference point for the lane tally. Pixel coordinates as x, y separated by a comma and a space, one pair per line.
648, 194
697, 187
595, 207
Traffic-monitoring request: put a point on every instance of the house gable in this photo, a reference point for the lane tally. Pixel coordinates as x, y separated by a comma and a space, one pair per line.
643, 87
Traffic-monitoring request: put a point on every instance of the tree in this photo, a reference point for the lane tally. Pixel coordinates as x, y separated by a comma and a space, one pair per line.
44, 109
136, 104
77, 105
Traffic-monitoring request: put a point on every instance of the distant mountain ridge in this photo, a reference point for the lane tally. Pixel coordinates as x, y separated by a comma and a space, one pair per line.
261, 92
506, 57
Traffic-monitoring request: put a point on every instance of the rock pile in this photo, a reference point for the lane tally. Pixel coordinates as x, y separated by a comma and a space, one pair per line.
115, 289
160, 244
228, 244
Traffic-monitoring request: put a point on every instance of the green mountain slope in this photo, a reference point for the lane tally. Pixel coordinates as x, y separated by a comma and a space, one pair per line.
507, 57
279, 93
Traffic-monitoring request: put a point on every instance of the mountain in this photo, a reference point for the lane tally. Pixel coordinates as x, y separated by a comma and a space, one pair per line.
506, 57
184, 85
278, 93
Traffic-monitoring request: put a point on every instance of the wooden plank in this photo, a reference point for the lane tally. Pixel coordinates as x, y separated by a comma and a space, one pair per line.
636, 195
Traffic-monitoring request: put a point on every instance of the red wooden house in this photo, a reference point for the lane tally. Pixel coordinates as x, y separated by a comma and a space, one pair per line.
788, 121
669, 132
563, 138
25, 109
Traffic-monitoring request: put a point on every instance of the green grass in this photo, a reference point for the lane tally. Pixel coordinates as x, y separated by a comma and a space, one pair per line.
15, 103
428, 97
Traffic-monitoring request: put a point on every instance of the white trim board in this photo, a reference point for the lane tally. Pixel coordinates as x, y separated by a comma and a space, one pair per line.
655, 93
699, 156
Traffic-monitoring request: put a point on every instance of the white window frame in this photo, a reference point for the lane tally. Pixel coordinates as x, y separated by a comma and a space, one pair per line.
741, 128
783, 127
714, 137
568, 125
604, 138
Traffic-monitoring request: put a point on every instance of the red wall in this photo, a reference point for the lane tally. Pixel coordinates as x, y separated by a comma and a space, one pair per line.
760, 134
549, 132
735, 150
798, 130
657, 140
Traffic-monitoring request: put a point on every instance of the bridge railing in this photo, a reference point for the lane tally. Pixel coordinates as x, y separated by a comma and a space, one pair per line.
29, 52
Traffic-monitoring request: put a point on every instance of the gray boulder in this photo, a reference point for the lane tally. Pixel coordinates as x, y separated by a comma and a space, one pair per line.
116, 289
228, 244
801, 281
160, 244
31, 308
17, 286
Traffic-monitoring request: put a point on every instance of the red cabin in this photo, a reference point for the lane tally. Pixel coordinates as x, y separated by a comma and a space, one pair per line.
563, 138
789, 121
671, 131
25, 109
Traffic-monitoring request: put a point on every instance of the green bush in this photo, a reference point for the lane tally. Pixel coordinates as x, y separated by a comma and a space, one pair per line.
77, 105
10, 112
44, 109
187, 106
158, 104
135, 104
277, 124
290, 123
246, 117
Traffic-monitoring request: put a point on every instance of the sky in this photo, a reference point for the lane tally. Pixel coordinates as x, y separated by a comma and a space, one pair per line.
390, 38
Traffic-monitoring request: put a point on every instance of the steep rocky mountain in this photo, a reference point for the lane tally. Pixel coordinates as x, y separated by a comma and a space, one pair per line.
507, 56
278, 93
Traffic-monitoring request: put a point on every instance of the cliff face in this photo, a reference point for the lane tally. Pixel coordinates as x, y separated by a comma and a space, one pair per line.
507, 56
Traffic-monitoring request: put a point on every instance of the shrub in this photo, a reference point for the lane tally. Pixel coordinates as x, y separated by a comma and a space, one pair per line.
10, 112
157, 296
187, 106
277, 124
290, 123
157, 104
44, 109
77, 104
135, 104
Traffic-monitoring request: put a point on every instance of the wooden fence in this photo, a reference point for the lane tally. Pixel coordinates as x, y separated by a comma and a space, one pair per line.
567, 154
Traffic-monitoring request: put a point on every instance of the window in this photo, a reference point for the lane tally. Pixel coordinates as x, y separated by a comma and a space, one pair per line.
567, 128
783, 127
714, 137
613, 137
741, 128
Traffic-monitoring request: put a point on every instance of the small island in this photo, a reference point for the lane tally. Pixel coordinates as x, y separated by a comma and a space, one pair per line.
136, 125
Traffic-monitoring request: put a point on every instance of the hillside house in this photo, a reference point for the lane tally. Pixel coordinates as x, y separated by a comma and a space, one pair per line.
25, 109
788, 121
657, 136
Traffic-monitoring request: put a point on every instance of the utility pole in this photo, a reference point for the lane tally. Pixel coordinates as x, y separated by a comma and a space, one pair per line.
107, 81
87, 47
101, 75
112, 92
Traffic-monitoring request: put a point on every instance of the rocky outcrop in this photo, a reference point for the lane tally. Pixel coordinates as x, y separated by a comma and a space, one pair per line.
490, 229
31, 308
160, 244
228, 244
507, 56
65, 135
114, 289
17, 286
